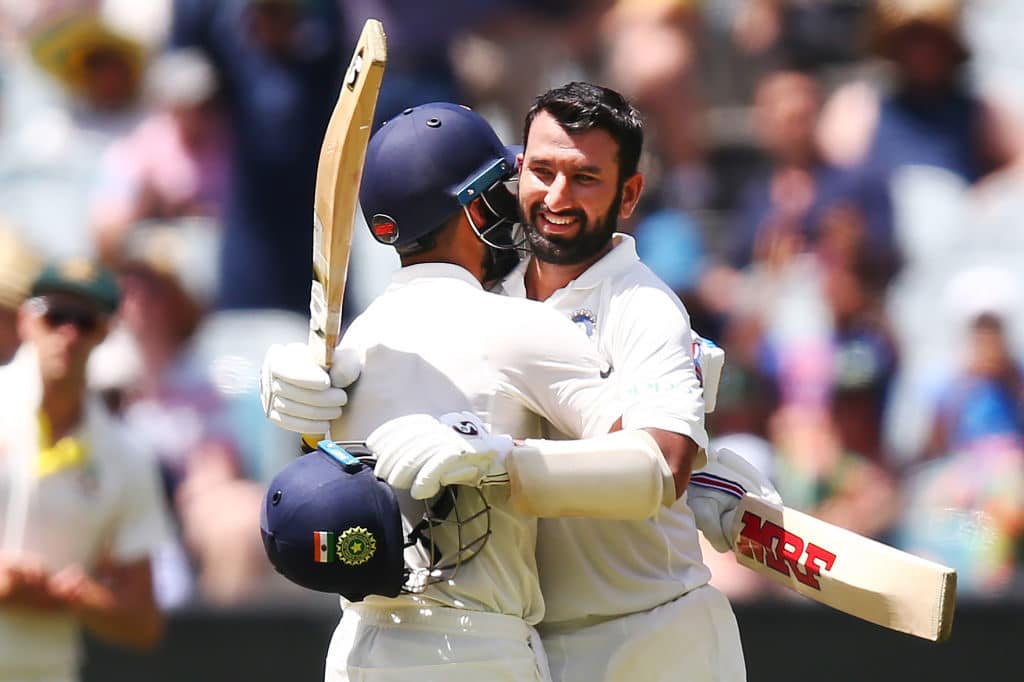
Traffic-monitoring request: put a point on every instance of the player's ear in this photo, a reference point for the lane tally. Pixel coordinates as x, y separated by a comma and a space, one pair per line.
631, 190
478, 212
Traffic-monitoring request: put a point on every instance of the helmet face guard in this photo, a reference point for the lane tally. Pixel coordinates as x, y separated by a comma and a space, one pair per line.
495, 186
443, 523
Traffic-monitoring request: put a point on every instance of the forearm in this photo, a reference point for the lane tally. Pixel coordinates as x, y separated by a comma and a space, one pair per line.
680, 453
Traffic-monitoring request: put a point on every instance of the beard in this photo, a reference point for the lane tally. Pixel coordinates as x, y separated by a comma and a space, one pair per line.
587, 243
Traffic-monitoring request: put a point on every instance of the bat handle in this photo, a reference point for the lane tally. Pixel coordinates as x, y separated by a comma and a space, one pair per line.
323, 353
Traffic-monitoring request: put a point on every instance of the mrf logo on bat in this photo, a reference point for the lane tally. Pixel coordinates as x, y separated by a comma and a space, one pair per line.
783, 551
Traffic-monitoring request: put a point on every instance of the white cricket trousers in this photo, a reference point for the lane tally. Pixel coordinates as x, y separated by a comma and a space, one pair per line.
691, 639
388, 644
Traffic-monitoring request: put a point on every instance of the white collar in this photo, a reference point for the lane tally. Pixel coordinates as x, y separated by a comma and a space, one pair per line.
411, 273
622, 256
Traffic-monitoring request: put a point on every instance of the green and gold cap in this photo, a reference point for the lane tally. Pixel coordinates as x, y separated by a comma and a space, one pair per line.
82, 277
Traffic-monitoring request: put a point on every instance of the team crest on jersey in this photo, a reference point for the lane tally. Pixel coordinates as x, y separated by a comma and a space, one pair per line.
356, 546
585, 319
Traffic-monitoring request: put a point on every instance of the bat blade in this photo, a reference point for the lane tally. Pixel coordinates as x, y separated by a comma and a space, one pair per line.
338, 175
851, 573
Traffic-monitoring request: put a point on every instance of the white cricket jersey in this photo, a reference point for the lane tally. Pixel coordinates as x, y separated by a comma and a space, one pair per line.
436, 342
592, 568
110, 505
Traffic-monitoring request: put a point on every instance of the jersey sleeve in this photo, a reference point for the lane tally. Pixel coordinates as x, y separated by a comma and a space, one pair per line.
652, 355
551, 368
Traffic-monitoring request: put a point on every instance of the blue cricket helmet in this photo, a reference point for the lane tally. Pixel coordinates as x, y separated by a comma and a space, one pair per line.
328, 524
425, 164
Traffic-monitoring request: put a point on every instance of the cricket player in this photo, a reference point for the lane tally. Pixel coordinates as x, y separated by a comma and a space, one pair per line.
81, 508
625, 600
433, 188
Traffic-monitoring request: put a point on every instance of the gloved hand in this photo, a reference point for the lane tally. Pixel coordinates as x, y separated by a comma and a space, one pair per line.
715, 491
298, 394
422, 454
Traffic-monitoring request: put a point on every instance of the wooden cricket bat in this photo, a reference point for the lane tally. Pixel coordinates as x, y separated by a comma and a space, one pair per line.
338, 175
844, 570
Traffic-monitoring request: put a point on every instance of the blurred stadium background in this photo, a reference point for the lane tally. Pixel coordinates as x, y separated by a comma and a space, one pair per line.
835, 188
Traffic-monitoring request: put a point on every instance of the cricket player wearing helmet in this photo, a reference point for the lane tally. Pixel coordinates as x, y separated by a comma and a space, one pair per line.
436, 339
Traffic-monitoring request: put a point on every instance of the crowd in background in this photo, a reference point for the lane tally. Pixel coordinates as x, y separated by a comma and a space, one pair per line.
834, 189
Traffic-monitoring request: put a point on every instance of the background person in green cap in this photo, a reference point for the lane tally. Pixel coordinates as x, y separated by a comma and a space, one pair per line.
80, 508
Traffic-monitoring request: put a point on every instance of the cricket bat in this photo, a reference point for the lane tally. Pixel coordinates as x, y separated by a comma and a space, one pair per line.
338, 175
844, 570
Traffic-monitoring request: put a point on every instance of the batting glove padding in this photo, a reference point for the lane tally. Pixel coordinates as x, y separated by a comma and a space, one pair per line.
298, 394
715, 491
422, 454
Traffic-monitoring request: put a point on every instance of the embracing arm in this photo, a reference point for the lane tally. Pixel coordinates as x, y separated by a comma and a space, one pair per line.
680, 453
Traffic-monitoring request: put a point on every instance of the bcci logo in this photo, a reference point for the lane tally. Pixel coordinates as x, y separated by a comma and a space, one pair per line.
585, 319
356, 546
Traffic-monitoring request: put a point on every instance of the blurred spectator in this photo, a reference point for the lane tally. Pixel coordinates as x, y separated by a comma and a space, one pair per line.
966, 510
800, 191
82, 510
280, 65
172, 406
926, 115
51, 149
863, 358
175, 163
18, 267
817, 475
664, 87
985, 400
826, 345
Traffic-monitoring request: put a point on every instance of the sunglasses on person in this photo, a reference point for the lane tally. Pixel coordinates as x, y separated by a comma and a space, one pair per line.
57, 314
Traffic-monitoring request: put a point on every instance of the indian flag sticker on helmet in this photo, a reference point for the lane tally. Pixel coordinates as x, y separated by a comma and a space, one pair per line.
324, 546
384, 228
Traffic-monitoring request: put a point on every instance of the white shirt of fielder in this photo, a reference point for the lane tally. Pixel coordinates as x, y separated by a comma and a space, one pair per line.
436, 340
113, 504
593, 571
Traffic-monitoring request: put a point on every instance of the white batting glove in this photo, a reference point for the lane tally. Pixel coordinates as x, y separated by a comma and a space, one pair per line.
423, 454
298, 394
714, 492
